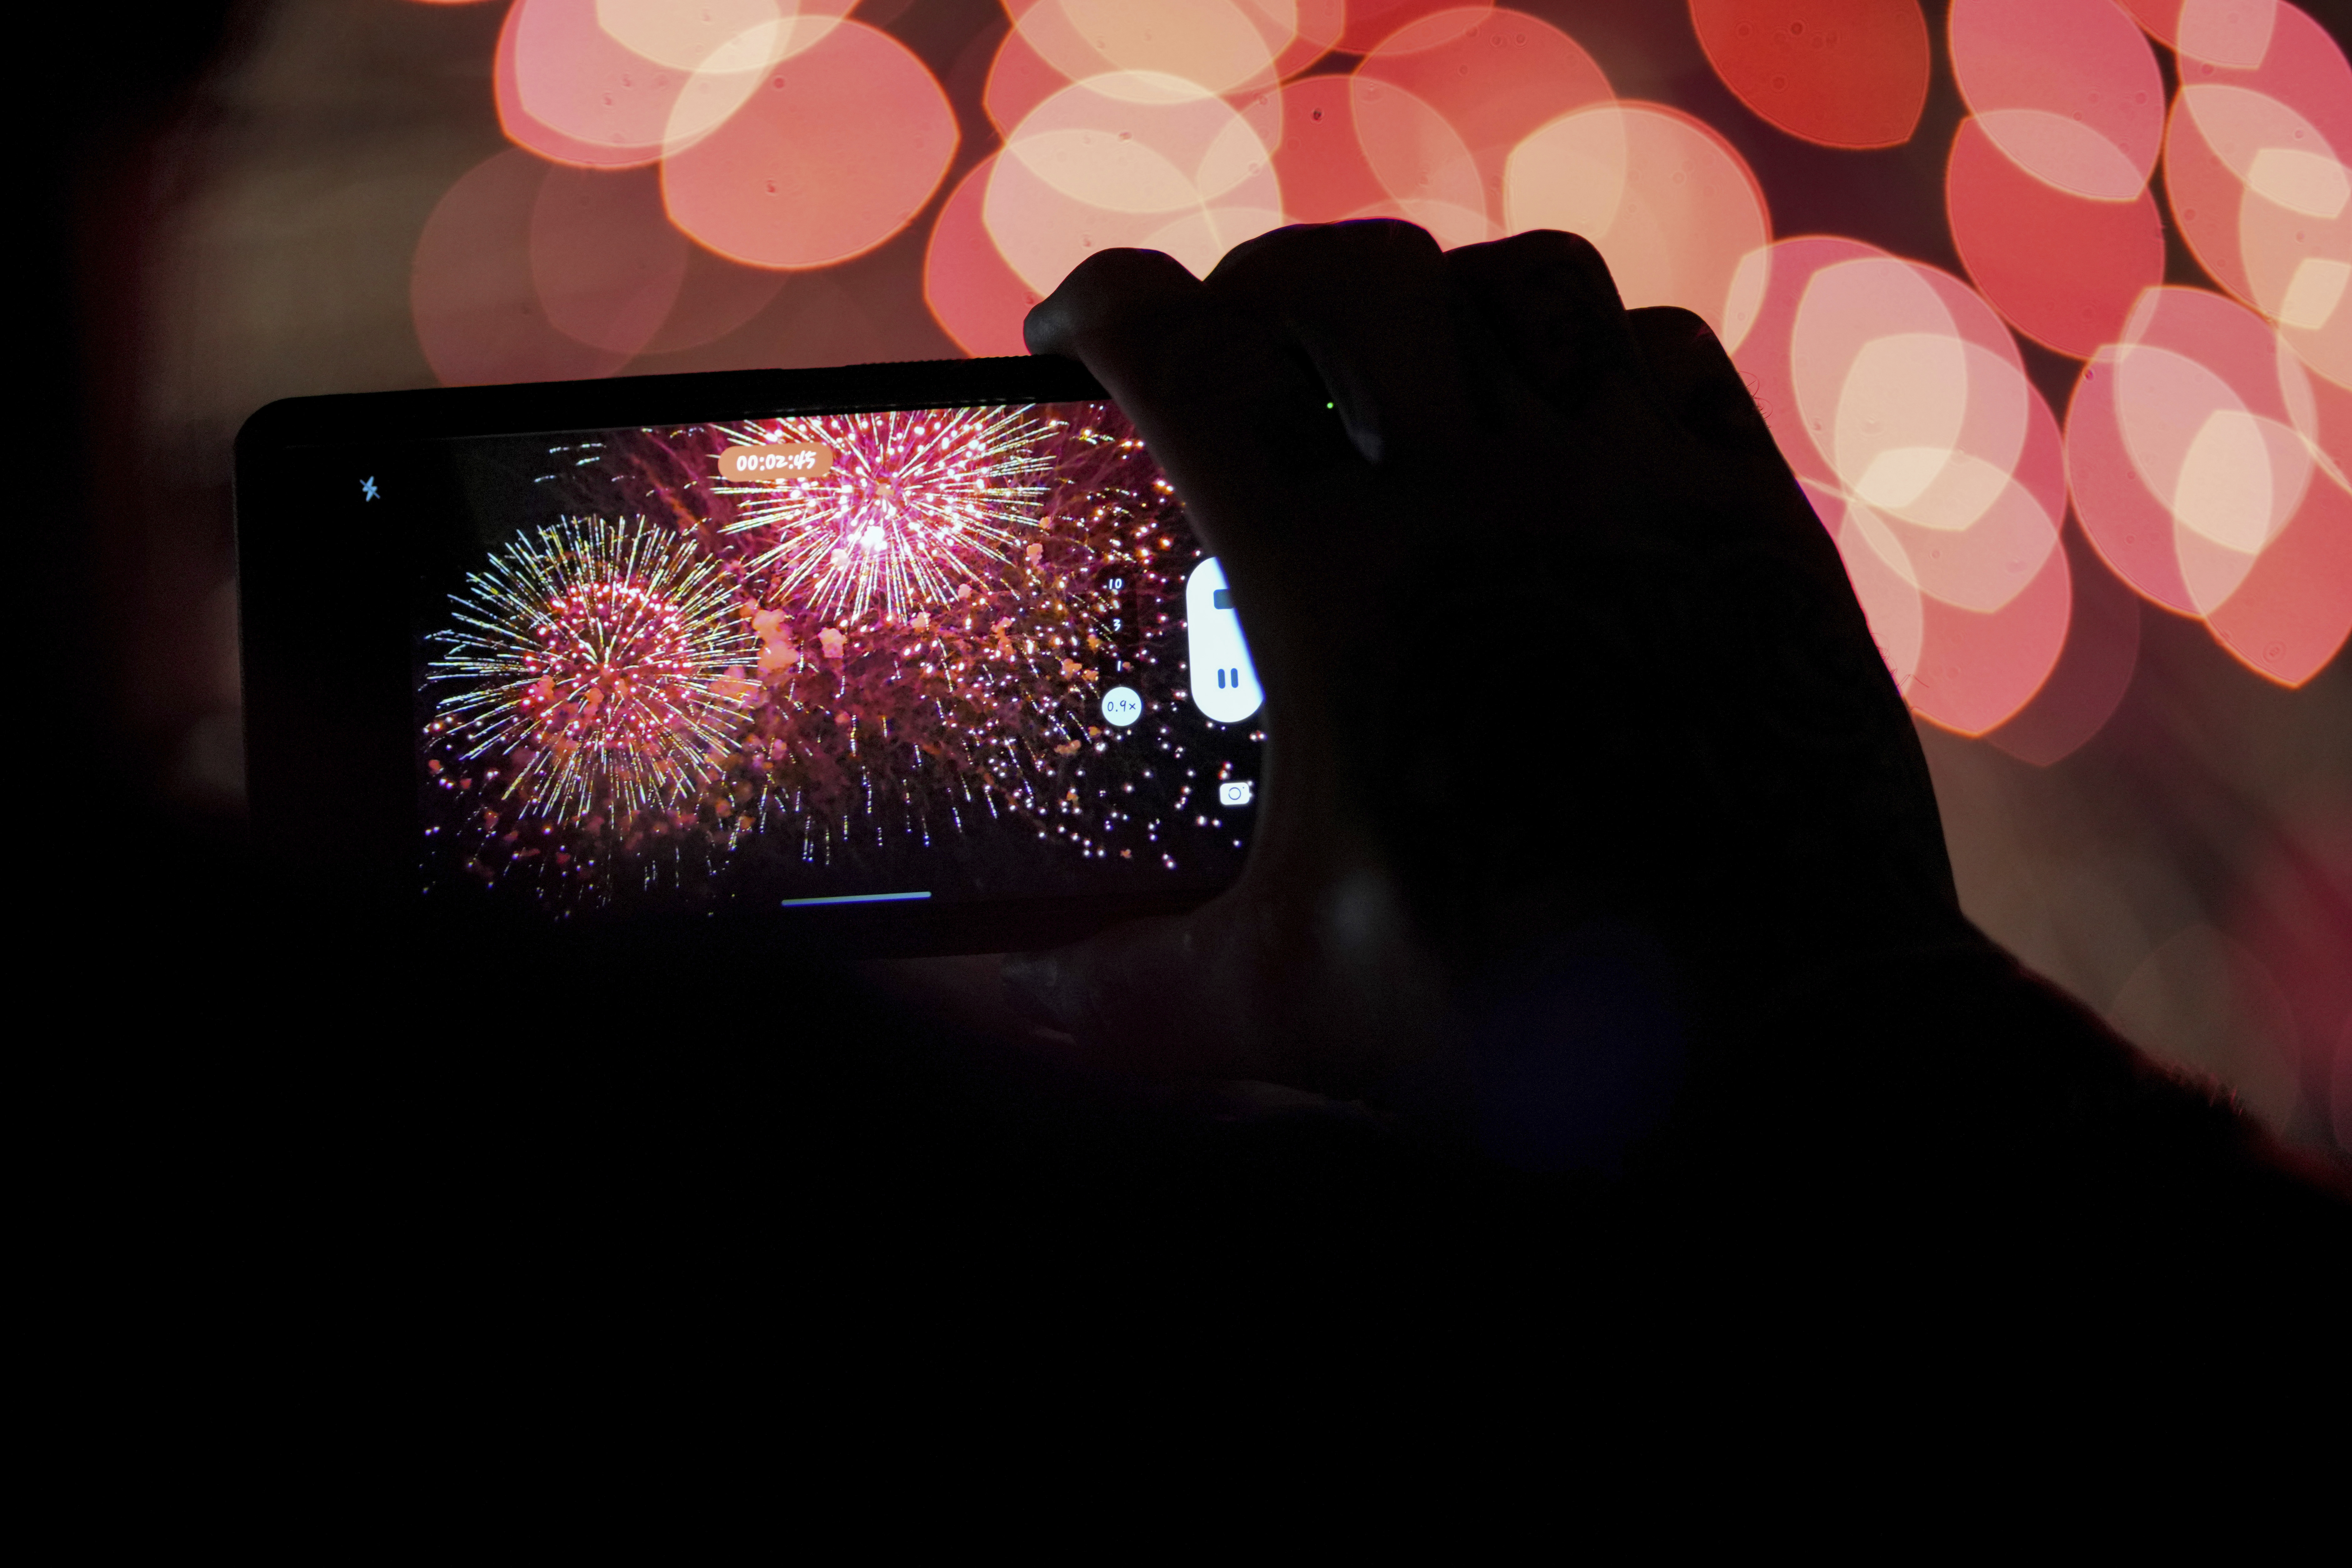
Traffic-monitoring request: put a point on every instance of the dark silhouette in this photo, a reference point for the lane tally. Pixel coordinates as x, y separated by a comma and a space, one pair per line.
1597, 836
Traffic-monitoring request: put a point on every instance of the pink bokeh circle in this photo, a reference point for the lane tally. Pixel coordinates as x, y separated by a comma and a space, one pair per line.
1976, 671
1372, 22
2290, 615
1348, 146
1220, 46
619, 84
2064, 269
570, 91
2215, 32
1669, 203
2191, 453
2256, 161
2068, 89
834, 152
1901, 400
2094, 670
1136, 159
979, 301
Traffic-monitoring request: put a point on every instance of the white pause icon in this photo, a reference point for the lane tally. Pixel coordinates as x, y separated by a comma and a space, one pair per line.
1224, 687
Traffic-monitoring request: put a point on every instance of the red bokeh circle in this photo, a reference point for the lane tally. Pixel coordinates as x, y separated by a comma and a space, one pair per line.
1371, 22
2065, 269
1845, 73
1344, 145
1493, 76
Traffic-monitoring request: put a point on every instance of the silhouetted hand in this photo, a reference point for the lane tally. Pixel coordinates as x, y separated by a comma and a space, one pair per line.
1578, 747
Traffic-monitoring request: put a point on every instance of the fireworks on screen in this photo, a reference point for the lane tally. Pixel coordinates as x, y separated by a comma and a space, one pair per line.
914, 505
656, 702
979, 704
597, 669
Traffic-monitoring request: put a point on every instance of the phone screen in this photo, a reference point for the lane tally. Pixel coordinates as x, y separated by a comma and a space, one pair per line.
802, 662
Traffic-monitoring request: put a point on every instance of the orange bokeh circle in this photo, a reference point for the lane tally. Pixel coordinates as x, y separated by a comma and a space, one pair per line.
605, 262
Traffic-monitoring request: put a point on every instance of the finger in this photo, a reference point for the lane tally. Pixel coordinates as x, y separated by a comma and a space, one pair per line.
1694, 381
1144, 996
1366, 302
1548, 300
1225, 406
1697, 382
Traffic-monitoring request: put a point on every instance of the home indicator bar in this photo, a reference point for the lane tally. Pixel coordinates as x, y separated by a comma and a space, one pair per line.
855, 898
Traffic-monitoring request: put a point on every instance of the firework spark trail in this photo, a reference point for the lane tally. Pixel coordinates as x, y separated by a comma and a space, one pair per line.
605, 660
915, 504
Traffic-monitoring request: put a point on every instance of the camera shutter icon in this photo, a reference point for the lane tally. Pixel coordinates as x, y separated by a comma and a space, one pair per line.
1225, 686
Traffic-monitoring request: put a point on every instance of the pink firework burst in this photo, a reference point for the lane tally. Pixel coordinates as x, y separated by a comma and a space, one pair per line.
599, 663
914, 504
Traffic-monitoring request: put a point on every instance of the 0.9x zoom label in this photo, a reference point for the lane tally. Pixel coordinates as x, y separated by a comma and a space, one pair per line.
787, 460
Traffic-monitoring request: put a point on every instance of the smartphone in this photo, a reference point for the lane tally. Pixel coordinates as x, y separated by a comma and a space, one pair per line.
888, 659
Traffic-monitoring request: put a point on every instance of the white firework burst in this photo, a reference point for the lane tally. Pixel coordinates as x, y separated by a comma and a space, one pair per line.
915, 503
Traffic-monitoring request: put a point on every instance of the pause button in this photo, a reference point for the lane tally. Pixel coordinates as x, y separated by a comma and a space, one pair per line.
1224, 687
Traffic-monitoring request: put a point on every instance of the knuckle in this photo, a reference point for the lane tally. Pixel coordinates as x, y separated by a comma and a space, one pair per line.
1284, 260
1552, 247
1673, 324
1104, 297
